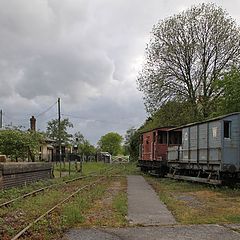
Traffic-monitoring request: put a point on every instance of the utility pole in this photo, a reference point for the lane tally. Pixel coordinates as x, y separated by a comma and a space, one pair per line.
59, 136
1, 119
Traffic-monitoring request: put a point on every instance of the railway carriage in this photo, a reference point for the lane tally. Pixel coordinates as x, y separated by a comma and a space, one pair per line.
207, 151
153, 149
210, 151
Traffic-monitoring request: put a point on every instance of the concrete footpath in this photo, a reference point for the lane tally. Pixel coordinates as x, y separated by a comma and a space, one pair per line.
144, 206
145, 209
178, 232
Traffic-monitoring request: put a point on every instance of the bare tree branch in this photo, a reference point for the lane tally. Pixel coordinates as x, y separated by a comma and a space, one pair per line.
186, 54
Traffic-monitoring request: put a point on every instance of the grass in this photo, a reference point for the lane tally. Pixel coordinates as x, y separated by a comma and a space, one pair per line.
120, 206
88, 168
68, 215
21, 213
8, 194
111, 209
73, 213
193, 203
76, 211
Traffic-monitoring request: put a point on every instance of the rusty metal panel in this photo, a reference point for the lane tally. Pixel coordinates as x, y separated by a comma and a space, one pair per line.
161, 151
154, 146
147, 146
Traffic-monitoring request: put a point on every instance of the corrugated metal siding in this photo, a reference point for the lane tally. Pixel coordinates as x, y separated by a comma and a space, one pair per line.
203, 135
215, 143
193, 137
215, 135
185, 142
193, 144
172, 154
231, 146
203, 142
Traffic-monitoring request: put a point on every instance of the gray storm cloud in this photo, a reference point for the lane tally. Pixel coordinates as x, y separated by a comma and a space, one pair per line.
86, 52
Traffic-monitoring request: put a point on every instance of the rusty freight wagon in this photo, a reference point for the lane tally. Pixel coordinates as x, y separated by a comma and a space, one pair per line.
153, 149
210, 151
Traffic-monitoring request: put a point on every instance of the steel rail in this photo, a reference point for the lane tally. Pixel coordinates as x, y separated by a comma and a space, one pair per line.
43, 189
48, 187
19, 234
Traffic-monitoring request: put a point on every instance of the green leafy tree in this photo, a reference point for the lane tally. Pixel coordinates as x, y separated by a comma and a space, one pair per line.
173, 113
53, 133
127, 140
131, 144
78, 138
229, 86
86, 148
111, 142
18, 144
186, 54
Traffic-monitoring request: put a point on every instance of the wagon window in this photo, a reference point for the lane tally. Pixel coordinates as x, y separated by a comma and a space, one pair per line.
227, 129
175, 137
154, 136
162, 137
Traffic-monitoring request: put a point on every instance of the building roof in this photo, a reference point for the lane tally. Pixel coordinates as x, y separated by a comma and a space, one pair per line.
208, 120
166, 128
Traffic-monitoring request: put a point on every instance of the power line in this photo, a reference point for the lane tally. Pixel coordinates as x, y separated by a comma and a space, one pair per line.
93, 120
49, 108
8, 122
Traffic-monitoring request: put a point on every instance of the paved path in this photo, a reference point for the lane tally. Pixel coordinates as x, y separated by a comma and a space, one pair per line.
144, 206
178, 232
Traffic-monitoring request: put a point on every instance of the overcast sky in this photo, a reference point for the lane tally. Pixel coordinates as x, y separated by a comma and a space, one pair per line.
87, 52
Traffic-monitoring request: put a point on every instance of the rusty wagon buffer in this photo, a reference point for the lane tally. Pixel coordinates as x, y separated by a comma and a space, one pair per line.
207, 151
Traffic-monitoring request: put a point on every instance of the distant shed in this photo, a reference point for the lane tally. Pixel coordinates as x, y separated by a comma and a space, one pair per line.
213, 144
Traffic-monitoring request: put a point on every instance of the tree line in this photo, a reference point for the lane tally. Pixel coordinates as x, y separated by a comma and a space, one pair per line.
191, 69
18, 144
191, 73
192, 60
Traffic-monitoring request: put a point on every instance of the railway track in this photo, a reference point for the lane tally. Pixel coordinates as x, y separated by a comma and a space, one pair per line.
33, 193
24, 230
40, 190
69, 193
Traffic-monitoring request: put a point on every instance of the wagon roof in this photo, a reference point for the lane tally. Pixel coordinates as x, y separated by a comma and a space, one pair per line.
158, 128
208, 120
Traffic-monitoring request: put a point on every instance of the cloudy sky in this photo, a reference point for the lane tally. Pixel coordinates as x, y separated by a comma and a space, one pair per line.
87, 52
